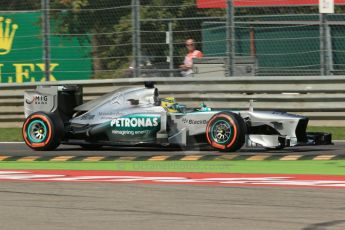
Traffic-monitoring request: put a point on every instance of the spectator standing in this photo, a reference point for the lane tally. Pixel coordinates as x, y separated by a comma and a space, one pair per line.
187, 67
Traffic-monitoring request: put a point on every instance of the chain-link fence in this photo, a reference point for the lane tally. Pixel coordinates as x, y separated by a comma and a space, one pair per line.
294, 43
147, 38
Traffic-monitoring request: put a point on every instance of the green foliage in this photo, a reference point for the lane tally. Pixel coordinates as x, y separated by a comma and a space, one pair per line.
110, 31
20, 5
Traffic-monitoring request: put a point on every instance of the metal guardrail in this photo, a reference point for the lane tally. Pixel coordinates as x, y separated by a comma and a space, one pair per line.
320, 98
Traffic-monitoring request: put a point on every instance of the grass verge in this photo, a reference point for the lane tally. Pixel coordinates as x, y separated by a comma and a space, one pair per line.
11, 134
14, 134
335, 167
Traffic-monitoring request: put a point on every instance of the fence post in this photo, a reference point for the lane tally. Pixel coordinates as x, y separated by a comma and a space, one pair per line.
171, 49
230, 38
329, 50
46, 37
323, 45
136, 36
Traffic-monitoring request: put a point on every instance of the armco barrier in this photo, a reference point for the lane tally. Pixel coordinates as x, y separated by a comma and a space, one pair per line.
320, 98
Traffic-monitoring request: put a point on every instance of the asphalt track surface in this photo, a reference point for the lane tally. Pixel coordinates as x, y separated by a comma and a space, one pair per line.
20, 149
68, 205
61, 206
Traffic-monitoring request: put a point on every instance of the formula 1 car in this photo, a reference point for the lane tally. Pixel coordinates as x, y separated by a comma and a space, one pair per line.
137, 116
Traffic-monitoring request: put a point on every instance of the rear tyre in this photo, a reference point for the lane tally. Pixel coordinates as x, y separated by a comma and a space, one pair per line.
43, 131
226, 132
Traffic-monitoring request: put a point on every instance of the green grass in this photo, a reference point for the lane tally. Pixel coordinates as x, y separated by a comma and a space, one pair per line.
335, 167
11, 134
14, 134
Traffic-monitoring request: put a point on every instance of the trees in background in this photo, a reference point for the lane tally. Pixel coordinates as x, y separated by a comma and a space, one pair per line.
107, 26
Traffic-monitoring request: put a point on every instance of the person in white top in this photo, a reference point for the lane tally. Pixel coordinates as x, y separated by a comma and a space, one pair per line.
186, 68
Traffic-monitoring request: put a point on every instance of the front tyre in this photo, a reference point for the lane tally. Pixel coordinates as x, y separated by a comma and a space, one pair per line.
43, 131
226, 132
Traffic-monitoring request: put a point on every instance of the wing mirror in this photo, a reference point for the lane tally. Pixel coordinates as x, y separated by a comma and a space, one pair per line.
133, 101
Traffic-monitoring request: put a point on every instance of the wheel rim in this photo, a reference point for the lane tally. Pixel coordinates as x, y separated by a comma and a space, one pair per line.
221, 132
37, 131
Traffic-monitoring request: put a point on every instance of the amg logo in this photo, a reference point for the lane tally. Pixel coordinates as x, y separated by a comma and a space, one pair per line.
134, 122
37, 100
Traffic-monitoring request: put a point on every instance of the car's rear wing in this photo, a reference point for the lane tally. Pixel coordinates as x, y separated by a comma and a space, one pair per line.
56, 99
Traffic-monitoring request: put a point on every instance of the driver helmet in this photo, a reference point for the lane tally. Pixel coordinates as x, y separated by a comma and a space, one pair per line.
168, 104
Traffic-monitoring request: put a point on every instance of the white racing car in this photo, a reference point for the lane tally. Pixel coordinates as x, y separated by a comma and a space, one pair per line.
137, 116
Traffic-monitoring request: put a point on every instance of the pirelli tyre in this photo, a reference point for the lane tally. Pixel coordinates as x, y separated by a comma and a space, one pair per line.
43, 131
226, 132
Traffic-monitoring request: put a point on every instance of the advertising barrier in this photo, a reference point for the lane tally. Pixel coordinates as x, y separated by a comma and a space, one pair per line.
21, 51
